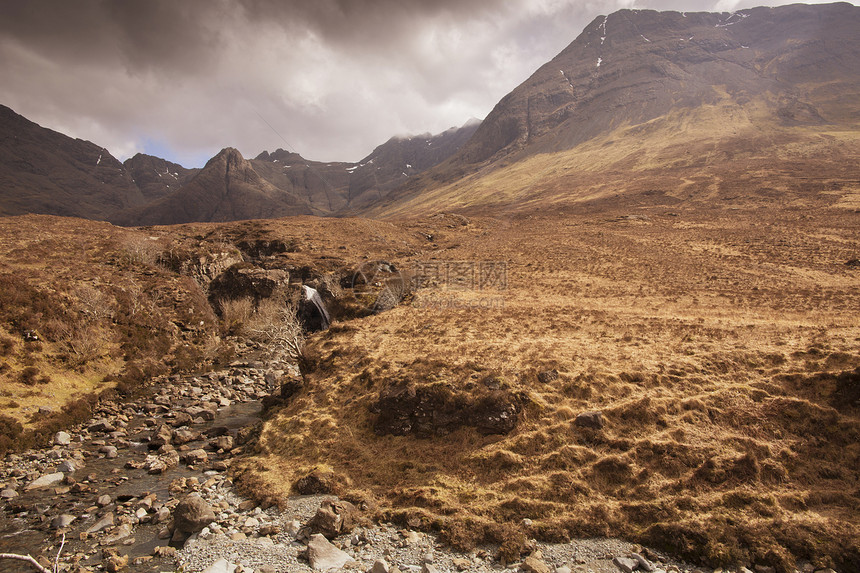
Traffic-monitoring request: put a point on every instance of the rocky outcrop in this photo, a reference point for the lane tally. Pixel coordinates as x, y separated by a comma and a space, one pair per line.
437, 410
245, 280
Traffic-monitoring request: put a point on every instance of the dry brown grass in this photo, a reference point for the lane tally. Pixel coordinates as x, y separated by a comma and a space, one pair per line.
104, 314
719, 345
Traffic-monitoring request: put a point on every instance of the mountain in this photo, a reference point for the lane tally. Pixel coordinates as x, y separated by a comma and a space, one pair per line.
226, 189
43, 171
644, 98
157, 177
336, 188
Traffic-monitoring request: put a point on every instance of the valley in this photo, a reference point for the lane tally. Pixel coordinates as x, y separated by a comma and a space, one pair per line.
611, 327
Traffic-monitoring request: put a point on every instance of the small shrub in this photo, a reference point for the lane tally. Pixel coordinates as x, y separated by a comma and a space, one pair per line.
28, 375
10, 433
235, 315
6, 345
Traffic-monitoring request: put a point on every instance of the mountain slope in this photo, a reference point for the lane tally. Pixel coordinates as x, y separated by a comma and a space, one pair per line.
43, 171
339, 188
226, 189
641, 95
157, 177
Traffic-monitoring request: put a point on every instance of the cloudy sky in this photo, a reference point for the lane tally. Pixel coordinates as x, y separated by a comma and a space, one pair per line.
330, 79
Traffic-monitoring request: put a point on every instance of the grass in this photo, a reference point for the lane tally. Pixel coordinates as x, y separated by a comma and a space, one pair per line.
719, 340
712, 344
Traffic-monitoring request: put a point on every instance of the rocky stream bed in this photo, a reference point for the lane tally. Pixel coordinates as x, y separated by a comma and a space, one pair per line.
145, 487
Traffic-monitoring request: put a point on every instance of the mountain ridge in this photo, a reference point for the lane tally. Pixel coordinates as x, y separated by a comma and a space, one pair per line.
779, 78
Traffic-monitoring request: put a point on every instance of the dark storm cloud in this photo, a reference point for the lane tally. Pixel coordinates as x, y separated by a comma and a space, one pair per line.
330, 79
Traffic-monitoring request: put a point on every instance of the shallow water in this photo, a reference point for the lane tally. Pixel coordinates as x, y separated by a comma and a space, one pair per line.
21, 535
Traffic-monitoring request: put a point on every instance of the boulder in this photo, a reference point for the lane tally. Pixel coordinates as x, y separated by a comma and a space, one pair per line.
161, 435
191, 515
47, 480
62, 439
181, 419
199, 412
323, 556
222, 443
592, 420
195, 457
159, 464
626, 564
67, 467
102, 425
184, 436
334, 517
535, 564
110, 452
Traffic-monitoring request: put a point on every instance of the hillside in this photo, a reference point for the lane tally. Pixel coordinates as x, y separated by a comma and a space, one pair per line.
693, 105
157, 177
44, 171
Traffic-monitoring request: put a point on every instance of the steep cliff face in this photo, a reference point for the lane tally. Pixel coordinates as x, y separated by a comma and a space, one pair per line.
634, 66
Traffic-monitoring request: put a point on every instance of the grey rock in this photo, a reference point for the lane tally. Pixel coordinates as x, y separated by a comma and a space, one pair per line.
62, 521
192, 514
334, 517
67, 467
106, 521
47, 480
562, 569
118, 534
102, 425
104, 500
110, 452
221, 566
626, 564
8, 493
322, 555
62, 438
644, 564
162, 515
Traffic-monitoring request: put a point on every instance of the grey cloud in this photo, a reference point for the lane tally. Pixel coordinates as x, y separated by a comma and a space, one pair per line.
334, 78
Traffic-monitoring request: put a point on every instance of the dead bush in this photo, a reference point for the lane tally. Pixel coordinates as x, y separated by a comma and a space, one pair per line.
28, 376
142, 250
276, 324
235, 315
6, 345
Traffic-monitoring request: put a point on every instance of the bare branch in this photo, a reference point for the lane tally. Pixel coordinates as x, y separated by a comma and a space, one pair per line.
25, 558
59, 551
